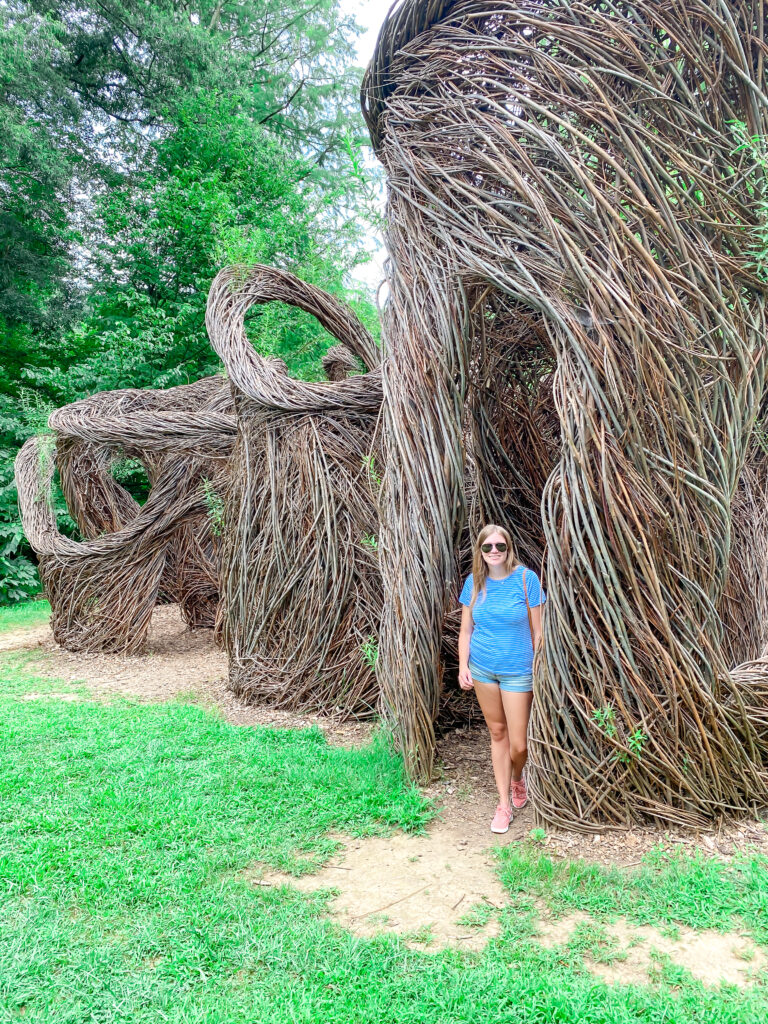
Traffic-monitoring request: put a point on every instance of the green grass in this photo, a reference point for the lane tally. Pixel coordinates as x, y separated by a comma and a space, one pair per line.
16, 681
124, 832
26, 613
478, 916
668, 889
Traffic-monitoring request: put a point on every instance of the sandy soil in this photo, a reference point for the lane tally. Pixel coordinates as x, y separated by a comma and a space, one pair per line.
711, 957
436, 891
424, 888
430, 889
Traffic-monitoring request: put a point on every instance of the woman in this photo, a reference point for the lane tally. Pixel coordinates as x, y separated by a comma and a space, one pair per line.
500, 629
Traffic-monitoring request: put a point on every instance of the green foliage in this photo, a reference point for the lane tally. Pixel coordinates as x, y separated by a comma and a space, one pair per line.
369, 649
132, 475
756, 148
369, 463
146, 144
606, 720
214, 503
636, 742
22, 416
221, 189
36, 174
18, 419
18, 575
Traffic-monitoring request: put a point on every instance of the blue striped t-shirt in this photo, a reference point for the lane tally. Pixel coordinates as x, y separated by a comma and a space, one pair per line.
501, 637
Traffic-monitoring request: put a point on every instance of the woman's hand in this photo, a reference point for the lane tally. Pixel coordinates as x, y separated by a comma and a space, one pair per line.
465, 678
465, 635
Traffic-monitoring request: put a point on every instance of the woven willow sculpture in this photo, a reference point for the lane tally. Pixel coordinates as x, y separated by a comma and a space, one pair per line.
104, 589
568, 170
300, 574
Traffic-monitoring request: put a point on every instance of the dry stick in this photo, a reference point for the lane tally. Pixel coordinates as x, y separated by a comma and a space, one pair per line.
491, 903
388, 905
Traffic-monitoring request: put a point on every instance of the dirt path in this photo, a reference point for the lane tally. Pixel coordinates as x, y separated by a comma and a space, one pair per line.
435, 890
177, 663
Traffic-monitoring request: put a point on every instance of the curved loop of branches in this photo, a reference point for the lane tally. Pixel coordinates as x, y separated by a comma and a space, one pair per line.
235, 290
299, 561
575, 173
103, 590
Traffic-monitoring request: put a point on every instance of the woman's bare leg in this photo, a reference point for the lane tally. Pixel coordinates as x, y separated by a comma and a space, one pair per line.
517, 712
489, 697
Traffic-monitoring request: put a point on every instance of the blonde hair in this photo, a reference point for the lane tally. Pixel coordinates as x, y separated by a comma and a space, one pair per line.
479, 566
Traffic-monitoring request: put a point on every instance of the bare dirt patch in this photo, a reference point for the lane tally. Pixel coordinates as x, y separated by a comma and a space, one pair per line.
24, 638
441, 889
635, 951
434, 890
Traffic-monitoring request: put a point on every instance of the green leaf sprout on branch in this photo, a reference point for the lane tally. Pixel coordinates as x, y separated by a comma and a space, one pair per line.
370, 651
606, 721
369, 462
214, 503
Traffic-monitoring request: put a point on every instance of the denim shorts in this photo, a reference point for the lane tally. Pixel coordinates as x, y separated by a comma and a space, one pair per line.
507, 681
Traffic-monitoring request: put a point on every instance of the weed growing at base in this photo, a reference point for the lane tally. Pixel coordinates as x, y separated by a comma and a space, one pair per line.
124, 830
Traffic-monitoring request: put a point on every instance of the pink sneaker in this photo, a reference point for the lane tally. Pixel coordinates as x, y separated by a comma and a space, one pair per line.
501, 819
518, 793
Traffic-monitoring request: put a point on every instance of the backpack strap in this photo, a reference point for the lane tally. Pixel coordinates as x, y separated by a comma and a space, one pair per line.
528, 607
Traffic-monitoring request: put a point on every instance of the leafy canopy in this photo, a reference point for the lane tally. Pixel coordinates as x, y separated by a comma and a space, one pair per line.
147, 144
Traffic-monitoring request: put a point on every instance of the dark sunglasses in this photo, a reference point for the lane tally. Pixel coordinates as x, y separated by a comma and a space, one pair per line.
486, 548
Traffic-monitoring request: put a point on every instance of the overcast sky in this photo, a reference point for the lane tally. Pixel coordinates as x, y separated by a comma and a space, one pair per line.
370, 14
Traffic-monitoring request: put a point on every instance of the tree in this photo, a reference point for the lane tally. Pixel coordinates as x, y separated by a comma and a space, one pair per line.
87, 89
219, 189
148, 143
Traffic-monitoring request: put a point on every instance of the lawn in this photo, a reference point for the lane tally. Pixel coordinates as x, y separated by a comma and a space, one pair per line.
26, 613
124, 832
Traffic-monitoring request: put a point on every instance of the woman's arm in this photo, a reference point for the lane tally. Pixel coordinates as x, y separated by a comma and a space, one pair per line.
465, 633
536, 627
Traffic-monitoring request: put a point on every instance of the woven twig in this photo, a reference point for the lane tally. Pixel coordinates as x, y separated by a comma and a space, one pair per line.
300, 573
565, 174
103, 590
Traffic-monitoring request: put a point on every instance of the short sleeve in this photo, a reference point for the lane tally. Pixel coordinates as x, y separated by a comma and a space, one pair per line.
466, 592
536, 595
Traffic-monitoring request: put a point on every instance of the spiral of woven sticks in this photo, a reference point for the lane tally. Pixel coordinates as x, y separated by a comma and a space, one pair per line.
572, 168
103, 590
299, 560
